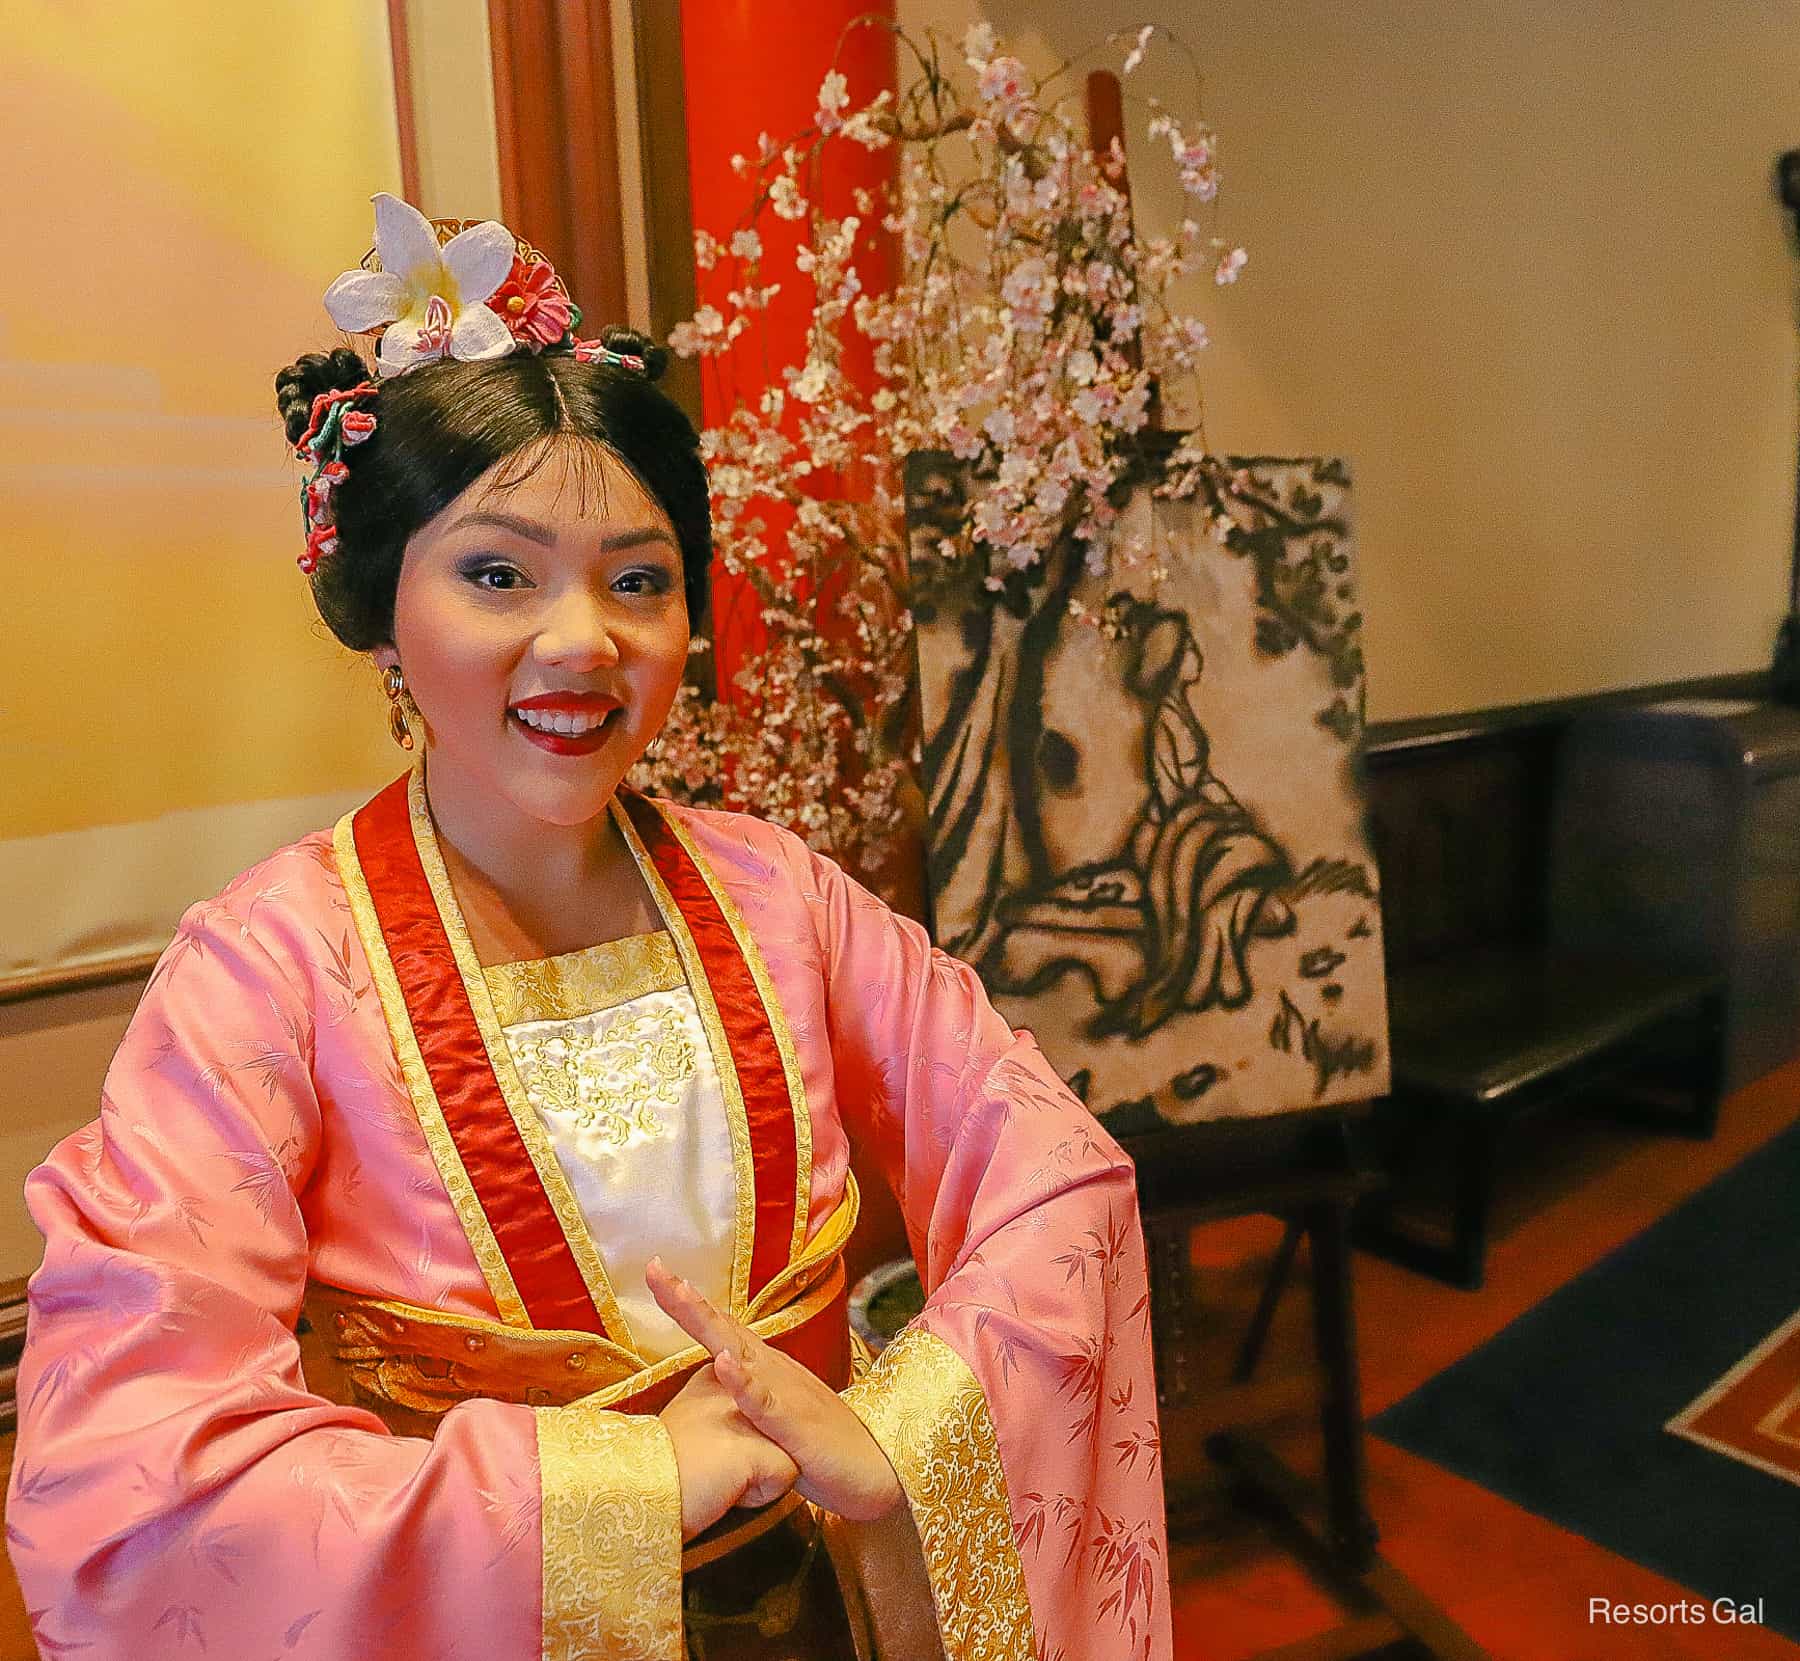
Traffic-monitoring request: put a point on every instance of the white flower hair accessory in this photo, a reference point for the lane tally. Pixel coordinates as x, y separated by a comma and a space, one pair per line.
431, 289
427, 300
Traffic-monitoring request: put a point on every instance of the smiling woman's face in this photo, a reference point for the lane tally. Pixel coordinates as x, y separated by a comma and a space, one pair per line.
553, 603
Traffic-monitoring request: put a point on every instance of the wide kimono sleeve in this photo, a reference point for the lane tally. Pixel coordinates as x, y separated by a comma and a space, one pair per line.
1019, 1409
178, 1490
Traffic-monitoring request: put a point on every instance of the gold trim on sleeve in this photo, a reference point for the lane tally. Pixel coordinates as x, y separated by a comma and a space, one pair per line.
585, 982
611, 1536
488, 1256
927, 1413
784, 1038
524, 1116
736, 1119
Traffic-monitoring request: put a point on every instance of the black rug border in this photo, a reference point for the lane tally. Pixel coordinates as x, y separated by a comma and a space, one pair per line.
1543, 1414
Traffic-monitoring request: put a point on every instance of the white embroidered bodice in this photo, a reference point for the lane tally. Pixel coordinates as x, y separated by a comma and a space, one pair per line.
614, 1060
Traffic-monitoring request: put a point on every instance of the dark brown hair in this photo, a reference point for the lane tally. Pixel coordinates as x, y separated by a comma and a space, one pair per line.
440, 426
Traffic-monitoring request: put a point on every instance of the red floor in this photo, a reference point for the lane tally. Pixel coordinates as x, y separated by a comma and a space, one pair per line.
1518, 1585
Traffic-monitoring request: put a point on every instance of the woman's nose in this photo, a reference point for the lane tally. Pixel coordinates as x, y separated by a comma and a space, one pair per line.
577, 633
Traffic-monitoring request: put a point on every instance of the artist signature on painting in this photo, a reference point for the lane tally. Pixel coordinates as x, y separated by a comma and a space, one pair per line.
1681, 1612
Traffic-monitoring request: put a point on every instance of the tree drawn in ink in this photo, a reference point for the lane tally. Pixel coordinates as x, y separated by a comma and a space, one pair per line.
1091, 853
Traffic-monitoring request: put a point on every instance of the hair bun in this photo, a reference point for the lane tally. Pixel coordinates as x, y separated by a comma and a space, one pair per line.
315, 372
628, 342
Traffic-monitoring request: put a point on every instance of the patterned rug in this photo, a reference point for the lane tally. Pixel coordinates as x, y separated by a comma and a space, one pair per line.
1652, 1405
1753, 1412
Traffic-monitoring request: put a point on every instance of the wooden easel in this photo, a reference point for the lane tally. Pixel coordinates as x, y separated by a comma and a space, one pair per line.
1298, 1167
1301, 1168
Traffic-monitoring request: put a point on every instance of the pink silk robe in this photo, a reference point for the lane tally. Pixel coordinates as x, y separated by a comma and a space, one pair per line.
179, 1489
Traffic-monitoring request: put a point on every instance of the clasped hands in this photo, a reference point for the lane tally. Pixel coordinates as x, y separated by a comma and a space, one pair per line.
753, 1423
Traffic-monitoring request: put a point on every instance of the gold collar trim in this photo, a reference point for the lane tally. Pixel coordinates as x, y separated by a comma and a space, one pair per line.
585, 982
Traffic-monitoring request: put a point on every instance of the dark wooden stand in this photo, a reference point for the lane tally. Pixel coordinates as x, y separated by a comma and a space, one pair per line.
1303, 1170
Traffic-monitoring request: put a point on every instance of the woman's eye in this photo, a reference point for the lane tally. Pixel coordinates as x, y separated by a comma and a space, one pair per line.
494, 576
649, 579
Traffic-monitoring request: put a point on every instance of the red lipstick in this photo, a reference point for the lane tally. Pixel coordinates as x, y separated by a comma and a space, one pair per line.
588, 704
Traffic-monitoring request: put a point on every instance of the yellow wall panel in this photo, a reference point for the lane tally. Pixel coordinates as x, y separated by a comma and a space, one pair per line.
183, 181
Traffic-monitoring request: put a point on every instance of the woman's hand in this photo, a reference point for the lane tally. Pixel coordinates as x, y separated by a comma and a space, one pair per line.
841, 1467
722, 1460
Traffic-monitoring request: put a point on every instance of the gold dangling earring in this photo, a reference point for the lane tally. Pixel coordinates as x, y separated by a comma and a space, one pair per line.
394, 684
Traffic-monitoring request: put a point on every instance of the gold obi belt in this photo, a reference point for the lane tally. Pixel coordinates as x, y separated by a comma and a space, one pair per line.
411, 1365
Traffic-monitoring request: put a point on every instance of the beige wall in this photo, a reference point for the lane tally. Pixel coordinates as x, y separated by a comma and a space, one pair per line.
1523, 264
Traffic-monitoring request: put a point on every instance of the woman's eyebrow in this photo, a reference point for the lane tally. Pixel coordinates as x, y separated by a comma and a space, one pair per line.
530, 529
637, 536
544, 535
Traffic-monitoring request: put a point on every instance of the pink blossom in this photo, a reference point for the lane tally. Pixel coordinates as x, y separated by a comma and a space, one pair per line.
1029, 291
810, 383
965, 357
964, 442
1194, 164
1230, 264
834, 95
1003, 81
1134, 407
785, 198
1193, 152
704, 333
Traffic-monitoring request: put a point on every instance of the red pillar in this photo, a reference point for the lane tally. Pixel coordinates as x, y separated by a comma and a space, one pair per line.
754, 66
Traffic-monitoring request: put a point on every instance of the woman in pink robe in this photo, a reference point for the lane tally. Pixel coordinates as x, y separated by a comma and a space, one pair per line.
367, 1083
